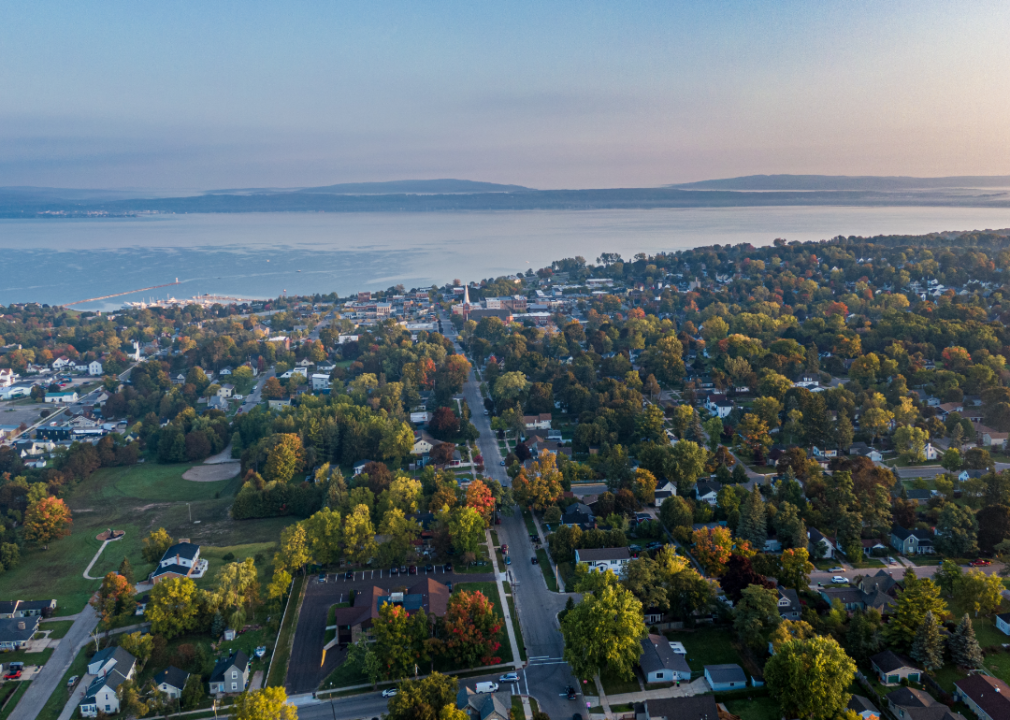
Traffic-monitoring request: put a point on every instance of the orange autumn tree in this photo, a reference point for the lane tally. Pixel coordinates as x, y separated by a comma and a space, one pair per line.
540, 486
712, 548
114, 598
479, 497
472, 629
47, 519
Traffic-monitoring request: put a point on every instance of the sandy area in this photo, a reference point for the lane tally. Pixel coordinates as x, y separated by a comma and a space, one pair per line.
213, 473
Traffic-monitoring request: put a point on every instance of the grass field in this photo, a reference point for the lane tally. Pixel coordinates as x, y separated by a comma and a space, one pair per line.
14, 698
545, 568
708, 646
137, 499
759, 708
613, 685
57, 629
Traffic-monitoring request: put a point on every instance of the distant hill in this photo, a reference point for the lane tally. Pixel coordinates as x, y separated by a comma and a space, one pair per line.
835, 183
392, 187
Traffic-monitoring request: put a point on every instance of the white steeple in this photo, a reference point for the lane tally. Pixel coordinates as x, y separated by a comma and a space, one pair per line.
466, 294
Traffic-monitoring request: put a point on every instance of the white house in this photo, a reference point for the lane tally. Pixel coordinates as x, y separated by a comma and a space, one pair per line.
15, 632
94, 368
7, 377
661, 662
603, 559
707, 492
64, 398
111, 668
299, 370
320, 381
171, 681
180, 560
725, 677
931, 452
820, 545
423, 443
537, 422
226, 391
719, 405
61, 362
419, 417
1003, 623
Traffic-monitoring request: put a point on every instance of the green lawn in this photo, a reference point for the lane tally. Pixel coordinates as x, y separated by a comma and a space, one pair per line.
61, 694
530, 527
708, 646
759, 708
137, 499
344, 675
613, 685
57, 629
20, 689
465, 568
279, 665
35, 658
545, 568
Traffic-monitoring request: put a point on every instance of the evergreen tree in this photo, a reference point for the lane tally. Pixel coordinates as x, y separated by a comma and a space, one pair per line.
739, 474
723, 475
697, 431
964, 649
843, 431
126, 570
927, 647
217, 626
753, 525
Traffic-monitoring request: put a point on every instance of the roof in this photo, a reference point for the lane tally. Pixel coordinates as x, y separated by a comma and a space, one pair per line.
889, 661
577, 509
791, 595
19, 629
696, 707
8, 606
725, 673
991, 694
658, 655
845, 595
173, 677
598, 554
900, 532
704, 488
861, 704
239, 660
170, 569
184, 550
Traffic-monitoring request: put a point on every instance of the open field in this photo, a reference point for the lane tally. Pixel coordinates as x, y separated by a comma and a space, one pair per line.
707, 646
137, 499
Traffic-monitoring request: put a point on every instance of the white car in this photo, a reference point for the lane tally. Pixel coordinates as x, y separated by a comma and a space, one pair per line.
838, 579
836, 569
389, 693
509, 677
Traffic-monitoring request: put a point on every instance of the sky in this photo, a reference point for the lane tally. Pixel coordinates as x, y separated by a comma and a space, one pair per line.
192, 95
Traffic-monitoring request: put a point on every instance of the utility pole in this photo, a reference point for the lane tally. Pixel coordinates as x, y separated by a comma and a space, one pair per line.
190, 513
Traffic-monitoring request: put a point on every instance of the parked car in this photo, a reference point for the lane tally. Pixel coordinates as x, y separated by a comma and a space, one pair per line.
389, 692
571, 692
836, 569
349, 575
534, 560
502, 463
71, 682
508, 559
838, 579
322, 577
14, 671
412, 570
509, 677
429, 568
486, 687
447, 568
980, 563
394, 571
505, 548
403, 569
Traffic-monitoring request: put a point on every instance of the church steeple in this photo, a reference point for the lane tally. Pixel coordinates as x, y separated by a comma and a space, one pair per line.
466, 294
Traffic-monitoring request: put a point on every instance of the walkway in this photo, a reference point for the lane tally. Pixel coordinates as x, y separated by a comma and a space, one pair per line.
95, 559
695, 687
517, 661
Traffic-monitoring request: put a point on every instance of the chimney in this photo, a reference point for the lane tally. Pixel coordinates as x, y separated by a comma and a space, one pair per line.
21, 625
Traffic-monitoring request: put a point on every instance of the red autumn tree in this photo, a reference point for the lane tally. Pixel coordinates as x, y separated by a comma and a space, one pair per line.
836, 308
472, 629
479, 497
114, 598
444, 424
46, 520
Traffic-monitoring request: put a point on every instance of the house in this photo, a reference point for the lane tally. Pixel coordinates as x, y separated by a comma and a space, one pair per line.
892, 668
945, 409
789, 604
484, 706
111, 667
537, 422
864, 450
667, 489
970, 474
911, 704
61, 362
695, 707
991, 437
278, 403
360, 466
578, 514
725, 677
912, 542
988, 697
603, 559
820, 546
171, 681
15, 632
1003, 623
931, 452
320, 381
230, 674
7, 377
419, 417
863, 707
660, 663
706, 491
62, 398
26, 608
428, 594
919, 497
423, 443
719, 405
180, 560
218, 403
226, 391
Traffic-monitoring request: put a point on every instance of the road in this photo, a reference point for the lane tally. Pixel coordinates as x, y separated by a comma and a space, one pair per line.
256, 394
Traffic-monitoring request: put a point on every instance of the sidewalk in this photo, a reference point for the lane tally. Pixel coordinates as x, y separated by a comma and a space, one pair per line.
543, 541
695, 687
516, 659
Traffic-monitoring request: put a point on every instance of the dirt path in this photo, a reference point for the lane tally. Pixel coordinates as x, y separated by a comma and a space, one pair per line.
213, 473
95, 559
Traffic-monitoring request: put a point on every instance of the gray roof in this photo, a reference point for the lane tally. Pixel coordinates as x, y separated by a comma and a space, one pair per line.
861, 704
597, 554
889, 661
185, 550
726, 673
704, 487
658, 655
696, 707
172, 676
19, 629
239, 660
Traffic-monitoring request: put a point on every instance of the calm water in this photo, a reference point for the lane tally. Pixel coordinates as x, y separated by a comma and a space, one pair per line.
261, 255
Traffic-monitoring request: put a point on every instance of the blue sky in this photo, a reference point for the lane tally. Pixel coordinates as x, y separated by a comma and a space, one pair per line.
194, 95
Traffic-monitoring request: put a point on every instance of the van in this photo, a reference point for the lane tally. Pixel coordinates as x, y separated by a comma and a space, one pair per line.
486, 687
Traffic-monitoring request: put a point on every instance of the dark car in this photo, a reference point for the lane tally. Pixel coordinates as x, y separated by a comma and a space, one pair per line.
412, 569
349, 575
534, 560
447, 568
508, 560
322, 577
394, 571
571, 693
577, 716
403, 569
429, 568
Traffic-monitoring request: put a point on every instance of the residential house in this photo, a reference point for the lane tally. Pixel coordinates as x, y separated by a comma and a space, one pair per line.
863, 707
912, 542
970, 474
428, 594
484, 706
320, 381
419, 417
1003, 623
61, 362
667, 489
278, 403
218, 403
603, 559
864, 450
578, 514
719, 405
945, 409
725, 677
932, 453
706, 491
226, 391
789, 604
660, 663
537, 422
230, 674
15, 632
111, 667
7, 377
911, 704
892, 668
820, 545
988, 697
180, 560
360, 466
694, 707
423, 443
171, 681
94, 368
919, 496
62, 398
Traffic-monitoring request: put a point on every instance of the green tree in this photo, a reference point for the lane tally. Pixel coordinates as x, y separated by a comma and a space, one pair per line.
918, 597
604, 632
126, 570
789, 526
284, 459
324, 536
713, 428
359, 535
983, 593
753, 525
963, 645
267, 704
294, 549
174, 607
863, 641
911, 443
956, 531
425, 699
768, 409
756, 615
193, 694
687, 463
951, 460
676, 512
810, 678
796, 568
927, 647
399, 640
948, 577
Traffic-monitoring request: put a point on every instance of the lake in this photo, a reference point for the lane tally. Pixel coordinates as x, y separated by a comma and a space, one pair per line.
262, 255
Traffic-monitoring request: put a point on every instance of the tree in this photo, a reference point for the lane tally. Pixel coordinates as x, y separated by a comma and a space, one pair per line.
153, 547
46, 520
948, 577
918, 597
927, 647
768, 409
126, 570
444, 424
480, 498
114, 598
173, 608
712, 547
399, 640
686, 464
279, 584
604, 632
267, 704
753, 525
713, 428
963, 645
294, 550
472, 629
911, 443
978, 459
430, 698
789, 630
466, 528
810, 678
284, 459
324, 536
951, 460
981, 592
756, 615
539, 486
237, 589
753, 431
993, 527
796, 568
676, 512
644, 486
956, 531
139, 645
739, 575
789, 526
863, 640
359, 535
193, 694
272, 389
509, 388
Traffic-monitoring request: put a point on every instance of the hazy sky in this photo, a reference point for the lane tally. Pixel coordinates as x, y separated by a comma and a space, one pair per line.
545, 94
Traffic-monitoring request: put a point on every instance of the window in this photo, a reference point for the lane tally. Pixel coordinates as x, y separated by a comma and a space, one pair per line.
234, 686
234, 674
